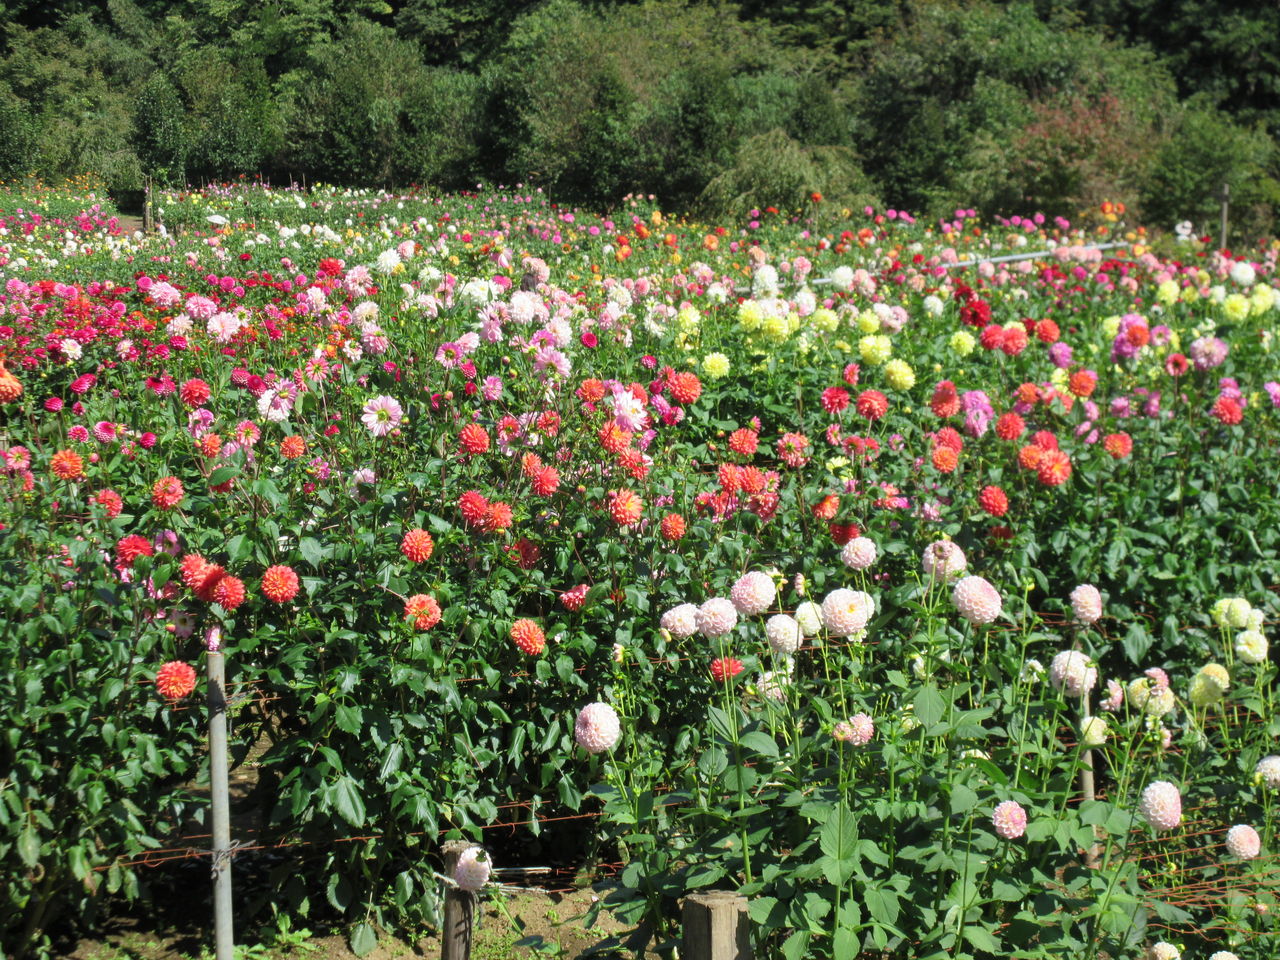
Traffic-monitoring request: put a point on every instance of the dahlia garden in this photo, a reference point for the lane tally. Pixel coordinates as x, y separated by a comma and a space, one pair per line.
912, 578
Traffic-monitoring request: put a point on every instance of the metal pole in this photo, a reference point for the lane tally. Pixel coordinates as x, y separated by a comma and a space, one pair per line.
224, 936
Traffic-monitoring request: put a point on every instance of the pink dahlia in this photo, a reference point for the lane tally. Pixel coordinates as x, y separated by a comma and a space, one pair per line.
754, 593
717, 617
1009, 819
1161, 805
784, 633
472, 869
382, 415
857, 731
976, 599
943, 559
1086, 603
681, 621
845, 612
1243, 842
859, 553
597, 728
1072, 673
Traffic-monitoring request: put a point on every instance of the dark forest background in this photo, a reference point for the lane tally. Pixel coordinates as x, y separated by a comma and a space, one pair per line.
921, 104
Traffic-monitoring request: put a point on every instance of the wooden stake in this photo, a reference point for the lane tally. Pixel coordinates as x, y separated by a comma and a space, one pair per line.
459, 908
716, 927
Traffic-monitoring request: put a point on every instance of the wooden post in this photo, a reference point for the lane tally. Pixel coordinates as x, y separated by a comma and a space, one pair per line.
459, 908
715, 927
1222, 229
148, 220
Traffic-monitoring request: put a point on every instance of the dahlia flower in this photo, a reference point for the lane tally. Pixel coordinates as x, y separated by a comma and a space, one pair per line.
472, 869
681, 621
1086, 603
859, 553
716, 617
597, 728
976, 600
1072, 673
784, 633
846, 612
1243, 842
754, 593
1009, 820
1161, 805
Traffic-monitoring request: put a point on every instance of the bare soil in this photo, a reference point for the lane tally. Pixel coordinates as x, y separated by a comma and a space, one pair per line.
524, 924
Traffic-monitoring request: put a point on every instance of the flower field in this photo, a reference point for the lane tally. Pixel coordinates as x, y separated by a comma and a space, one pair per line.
912, 578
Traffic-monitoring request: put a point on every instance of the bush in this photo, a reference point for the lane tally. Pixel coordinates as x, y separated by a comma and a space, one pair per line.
1204, 150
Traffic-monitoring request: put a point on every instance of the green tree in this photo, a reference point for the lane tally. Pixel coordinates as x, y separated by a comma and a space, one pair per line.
160, 130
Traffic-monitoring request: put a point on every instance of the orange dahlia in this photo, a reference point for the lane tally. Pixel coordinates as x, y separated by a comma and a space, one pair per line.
945, 459
546, 481
422, 610
67, 465
1054, 468
499, 516
417, 545
166, 493
673, 527
229, 592
474, 507
1029, 456
994, 500
685, 387
175, 680
744, 442
279, 584
528, 636
292, 447
625, 507
474, 439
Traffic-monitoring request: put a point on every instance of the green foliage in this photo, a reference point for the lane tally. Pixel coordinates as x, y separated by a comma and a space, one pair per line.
160, 131
772, 169
1203, 151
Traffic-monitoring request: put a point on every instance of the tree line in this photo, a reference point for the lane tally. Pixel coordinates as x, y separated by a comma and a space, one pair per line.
920, 104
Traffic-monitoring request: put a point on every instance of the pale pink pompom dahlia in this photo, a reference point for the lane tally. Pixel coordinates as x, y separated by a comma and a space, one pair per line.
1009, 819
976, 599
754, 593
597, 728
1161, 805
717, 617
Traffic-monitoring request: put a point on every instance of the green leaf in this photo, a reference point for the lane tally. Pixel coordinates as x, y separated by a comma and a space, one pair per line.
346, 799
845, 944
760, 742
363, 939
962, 798
981, 939
348, 718
929, 706
838, 840
796, 946
883, 905
312, 551
29, 847
222, 475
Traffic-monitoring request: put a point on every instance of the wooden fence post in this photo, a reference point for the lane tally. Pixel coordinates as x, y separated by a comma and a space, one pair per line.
459, 908
715, 927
